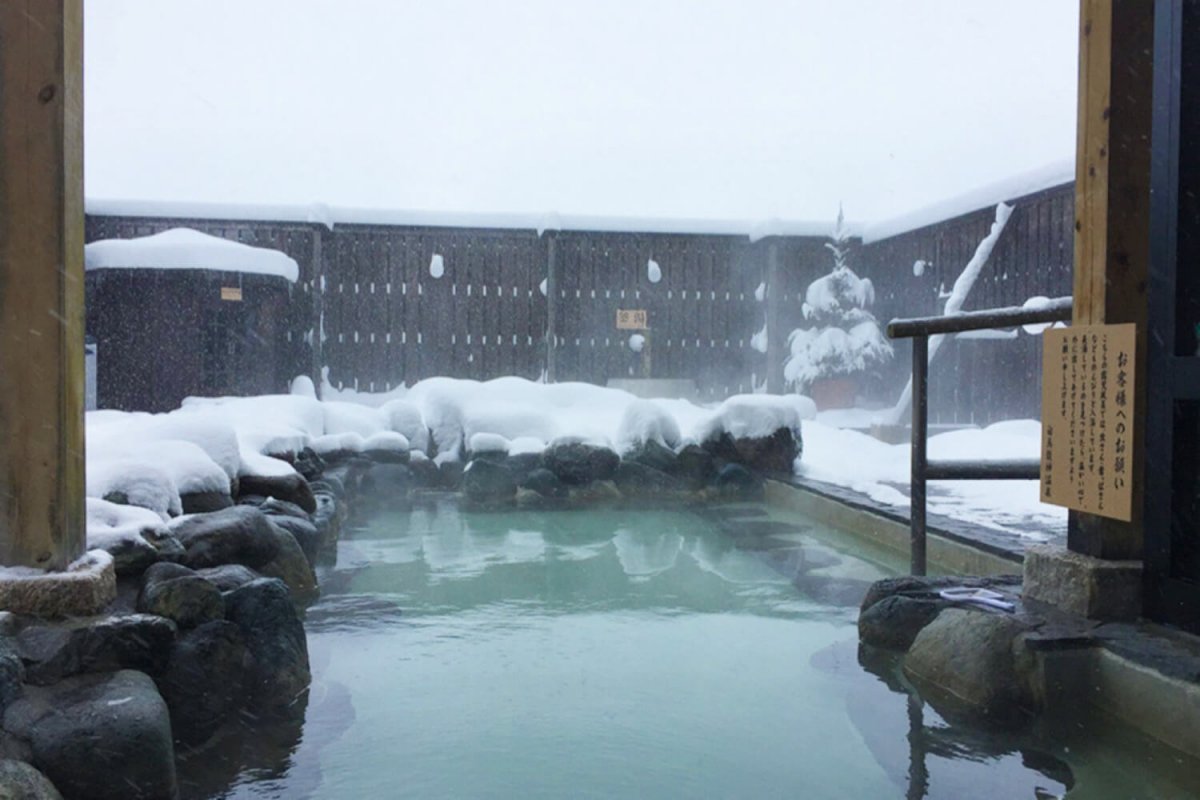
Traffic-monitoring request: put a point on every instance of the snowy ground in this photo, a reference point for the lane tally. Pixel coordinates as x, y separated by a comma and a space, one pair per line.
848, 457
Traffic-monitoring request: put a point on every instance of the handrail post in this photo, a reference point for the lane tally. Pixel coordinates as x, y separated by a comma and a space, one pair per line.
920, 421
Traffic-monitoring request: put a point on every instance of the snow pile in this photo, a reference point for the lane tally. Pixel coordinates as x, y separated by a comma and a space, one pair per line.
845, 338
859, 462
653, 271
646, 421
184, 248
111, 524
756, 416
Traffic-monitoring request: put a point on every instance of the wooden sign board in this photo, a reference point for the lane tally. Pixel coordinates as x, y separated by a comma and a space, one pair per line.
631, 319
231, 293
1087, 418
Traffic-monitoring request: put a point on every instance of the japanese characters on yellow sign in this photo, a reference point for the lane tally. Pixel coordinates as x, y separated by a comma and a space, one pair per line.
631, 319
233, 293
1087, 418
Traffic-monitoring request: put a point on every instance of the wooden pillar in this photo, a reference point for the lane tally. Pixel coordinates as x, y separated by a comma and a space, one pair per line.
551, 305
317, 311
41, 283
1112, 216
775, 335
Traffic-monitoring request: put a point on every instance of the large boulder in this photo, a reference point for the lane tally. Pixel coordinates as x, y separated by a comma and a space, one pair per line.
291, 565
309, 464
927, 586
179, 594
291, 487
894, 622
487, 482
694, 466
545, 483
655, 455
522, 464
228, 577
20, 781
735, 482
304, 532
55, 651
274, 635
424, 471
578, 464
974, 662
776, 452
450, 475
238, 535
635, 479
205, 679
104, 736
12, 672
274, 507
387, 485
327, 520
204, 502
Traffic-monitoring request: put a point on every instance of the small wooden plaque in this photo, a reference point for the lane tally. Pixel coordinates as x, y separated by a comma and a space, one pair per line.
631, 319
233, 293
1087, 418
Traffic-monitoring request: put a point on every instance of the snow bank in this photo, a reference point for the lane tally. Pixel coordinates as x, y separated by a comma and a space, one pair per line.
861, 463
754, 416
111, 524
646, 421
184, 248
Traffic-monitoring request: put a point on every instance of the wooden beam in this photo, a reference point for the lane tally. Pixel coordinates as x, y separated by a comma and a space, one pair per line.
1112, 215
41, 283
776, 338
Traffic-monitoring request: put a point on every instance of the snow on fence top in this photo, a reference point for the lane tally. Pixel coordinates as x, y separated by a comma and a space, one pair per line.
984, 197
329, 216
184, 248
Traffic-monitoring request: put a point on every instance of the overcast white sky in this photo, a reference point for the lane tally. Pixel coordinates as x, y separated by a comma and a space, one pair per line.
661, 108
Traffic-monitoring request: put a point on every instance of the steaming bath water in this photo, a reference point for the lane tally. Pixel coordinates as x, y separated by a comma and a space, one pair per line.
613, 654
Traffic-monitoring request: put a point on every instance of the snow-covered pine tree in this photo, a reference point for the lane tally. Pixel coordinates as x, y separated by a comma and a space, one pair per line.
845, 338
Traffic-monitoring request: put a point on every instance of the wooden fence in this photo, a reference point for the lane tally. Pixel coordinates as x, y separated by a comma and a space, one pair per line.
382, 305
982, 378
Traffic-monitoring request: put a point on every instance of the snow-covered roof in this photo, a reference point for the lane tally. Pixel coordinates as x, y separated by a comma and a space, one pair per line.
540, 222
184, 248
1026, 183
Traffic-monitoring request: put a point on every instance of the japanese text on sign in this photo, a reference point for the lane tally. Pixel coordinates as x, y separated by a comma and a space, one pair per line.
631, 319
1087, 418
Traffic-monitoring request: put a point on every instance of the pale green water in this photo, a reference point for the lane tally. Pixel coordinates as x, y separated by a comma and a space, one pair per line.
606, 654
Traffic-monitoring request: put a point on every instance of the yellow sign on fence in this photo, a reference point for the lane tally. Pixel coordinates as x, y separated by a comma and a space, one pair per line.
631, 319
1087, 418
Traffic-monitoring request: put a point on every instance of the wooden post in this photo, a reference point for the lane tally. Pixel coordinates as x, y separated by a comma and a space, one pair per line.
774, 333
318, 307
551, 305
41, 283
1112, 217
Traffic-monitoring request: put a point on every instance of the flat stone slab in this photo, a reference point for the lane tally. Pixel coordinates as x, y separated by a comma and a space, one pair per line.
1078, 584
82, 589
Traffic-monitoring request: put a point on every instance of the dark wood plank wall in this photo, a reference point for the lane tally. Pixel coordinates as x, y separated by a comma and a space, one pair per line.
976, 380
388, 321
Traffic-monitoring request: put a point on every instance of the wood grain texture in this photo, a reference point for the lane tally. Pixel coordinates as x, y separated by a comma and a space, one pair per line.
1112, 216
41, 283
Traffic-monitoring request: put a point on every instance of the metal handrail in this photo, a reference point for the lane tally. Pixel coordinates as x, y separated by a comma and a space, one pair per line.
919, 329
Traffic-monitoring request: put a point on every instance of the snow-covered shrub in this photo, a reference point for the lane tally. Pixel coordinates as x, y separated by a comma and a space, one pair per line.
845, 337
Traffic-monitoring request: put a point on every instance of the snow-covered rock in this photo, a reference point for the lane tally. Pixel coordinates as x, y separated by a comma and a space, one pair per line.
646, 421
